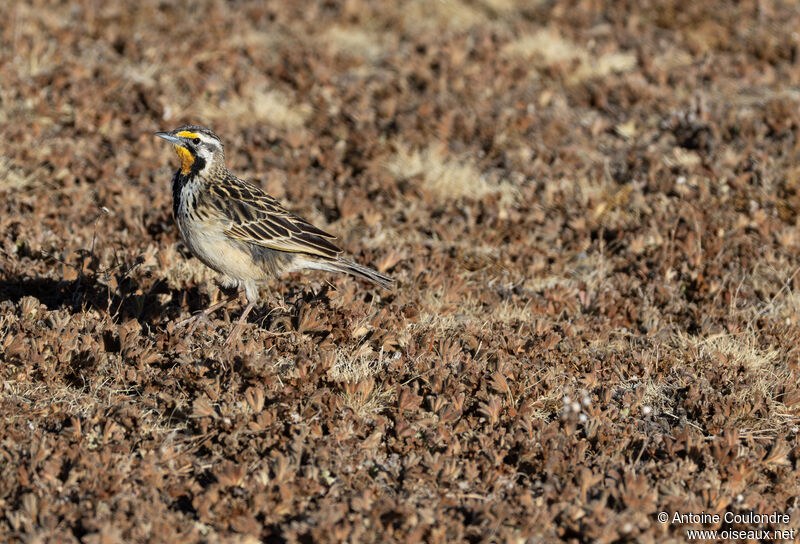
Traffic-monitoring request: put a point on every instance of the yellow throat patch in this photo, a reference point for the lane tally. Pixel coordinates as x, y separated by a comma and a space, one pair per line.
186, 158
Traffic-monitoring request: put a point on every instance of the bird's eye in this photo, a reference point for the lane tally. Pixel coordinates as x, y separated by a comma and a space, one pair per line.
196, 141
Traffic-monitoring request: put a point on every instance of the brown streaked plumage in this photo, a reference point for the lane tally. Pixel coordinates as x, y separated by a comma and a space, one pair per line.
238, 230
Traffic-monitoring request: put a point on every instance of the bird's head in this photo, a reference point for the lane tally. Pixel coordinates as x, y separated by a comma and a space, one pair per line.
198, 148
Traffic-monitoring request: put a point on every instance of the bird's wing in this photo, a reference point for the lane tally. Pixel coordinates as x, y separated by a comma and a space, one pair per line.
254, 217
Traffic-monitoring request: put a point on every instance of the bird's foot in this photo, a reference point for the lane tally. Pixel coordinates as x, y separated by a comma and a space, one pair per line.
237, 328
232, 336
192, 321
202, 317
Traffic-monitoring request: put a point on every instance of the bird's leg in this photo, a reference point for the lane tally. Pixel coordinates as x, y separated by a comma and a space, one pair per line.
239, 323
251, 292
203, 316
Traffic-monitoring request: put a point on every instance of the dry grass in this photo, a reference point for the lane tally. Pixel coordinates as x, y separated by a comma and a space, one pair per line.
547, 47
357, 365
260, 104
422, 16
360, 391
509, 7
13, 178
354, 42
737, 349
779, 278
447, 178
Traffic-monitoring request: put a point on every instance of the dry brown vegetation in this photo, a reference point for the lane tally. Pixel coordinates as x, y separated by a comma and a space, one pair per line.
592, 212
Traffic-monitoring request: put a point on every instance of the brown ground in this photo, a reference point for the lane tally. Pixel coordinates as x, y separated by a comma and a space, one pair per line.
592, 214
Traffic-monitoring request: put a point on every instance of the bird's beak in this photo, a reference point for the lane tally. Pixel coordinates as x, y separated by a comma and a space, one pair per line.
169, 137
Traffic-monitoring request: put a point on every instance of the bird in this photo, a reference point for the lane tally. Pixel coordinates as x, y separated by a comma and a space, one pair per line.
235, 228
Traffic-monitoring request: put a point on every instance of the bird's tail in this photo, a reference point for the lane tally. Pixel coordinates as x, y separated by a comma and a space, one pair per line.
365, 272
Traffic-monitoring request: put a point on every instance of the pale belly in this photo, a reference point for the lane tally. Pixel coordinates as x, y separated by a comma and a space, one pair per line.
215, 250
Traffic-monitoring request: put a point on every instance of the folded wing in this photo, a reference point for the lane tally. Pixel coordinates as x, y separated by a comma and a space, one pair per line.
256, 218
